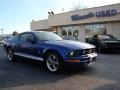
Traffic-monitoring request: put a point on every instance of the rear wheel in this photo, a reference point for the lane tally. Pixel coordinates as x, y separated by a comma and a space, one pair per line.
10, 55
53, 62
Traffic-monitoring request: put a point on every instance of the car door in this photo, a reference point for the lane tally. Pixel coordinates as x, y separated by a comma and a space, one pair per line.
24, 45
27, 46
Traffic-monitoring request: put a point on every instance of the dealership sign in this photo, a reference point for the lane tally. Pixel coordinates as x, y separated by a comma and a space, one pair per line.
106, 13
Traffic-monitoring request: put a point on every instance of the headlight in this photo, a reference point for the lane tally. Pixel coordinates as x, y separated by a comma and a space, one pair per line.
71, 53
75, 53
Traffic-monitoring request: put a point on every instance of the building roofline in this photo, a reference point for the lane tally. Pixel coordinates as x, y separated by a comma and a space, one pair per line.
38, 20
86, 9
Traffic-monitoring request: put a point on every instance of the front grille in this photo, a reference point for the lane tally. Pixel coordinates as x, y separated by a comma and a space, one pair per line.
89, 51
82, 52
78, 52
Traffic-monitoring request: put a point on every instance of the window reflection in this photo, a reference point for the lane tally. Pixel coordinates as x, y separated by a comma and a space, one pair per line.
64, 33
99, 29
75, 34
93, 29
70, 32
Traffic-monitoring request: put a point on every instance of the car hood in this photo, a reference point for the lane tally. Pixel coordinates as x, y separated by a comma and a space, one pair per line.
70, 44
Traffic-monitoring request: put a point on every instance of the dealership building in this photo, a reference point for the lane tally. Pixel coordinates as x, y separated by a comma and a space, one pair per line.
83, 24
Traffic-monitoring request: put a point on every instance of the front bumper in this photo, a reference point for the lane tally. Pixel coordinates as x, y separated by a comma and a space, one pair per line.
83, 59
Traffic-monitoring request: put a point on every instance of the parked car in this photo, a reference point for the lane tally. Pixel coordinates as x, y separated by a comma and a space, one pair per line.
50, 49
105, 42
2, 41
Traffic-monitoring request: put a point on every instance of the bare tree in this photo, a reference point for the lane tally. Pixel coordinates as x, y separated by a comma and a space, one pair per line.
77, 6
14, 33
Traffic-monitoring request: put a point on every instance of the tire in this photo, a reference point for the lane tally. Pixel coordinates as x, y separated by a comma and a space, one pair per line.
54, 62
10, 55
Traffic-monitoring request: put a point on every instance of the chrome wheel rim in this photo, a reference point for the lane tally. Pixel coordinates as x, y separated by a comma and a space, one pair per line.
52, 63
10, 55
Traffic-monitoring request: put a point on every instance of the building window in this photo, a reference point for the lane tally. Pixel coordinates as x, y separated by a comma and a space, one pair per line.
93, 29
70, 32
99, 29
64, 33
75, 34
88, 31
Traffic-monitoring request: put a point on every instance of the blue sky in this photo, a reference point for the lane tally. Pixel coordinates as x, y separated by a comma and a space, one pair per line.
16, 15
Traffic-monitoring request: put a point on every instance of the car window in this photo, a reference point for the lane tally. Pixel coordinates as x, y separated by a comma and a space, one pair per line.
30, 37
25, 37
51, 36
103, 37
69, 37
106, 37
43, 36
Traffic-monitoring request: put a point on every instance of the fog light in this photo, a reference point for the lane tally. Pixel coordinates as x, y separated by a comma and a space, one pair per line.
72, 60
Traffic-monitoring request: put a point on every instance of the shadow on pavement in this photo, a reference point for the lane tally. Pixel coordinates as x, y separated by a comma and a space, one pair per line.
25, 72
115, 86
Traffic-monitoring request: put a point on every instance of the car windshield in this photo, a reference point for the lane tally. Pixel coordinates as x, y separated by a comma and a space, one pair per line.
105, 37
47, 36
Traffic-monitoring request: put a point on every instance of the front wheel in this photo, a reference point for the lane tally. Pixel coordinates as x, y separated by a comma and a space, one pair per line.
54, 63
10, 55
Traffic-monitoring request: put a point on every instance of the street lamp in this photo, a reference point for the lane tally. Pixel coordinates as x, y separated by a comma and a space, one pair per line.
2, 31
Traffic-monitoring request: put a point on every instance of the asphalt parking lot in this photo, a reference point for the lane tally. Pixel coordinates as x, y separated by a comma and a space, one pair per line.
27, 75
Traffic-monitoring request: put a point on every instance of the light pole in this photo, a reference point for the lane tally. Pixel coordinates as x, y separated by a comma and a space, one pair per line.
2, 31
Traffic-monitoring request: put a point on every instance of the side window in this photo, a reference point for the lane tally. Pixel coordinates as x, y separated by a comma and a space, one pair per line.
40, 36
26, 37
30, 37
23, 37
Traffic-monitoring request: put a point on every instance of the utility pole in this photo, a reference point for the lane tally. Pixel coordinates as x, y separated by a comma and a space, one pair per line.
2, 31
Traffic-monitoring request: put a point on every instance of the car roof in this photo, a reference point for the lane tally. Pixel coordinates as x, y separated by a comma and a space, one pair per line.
33, 31
103, 34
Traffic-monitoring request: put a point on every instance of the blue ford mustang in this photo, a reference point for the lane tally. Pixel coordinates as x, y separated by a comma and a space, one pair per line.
49, 48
